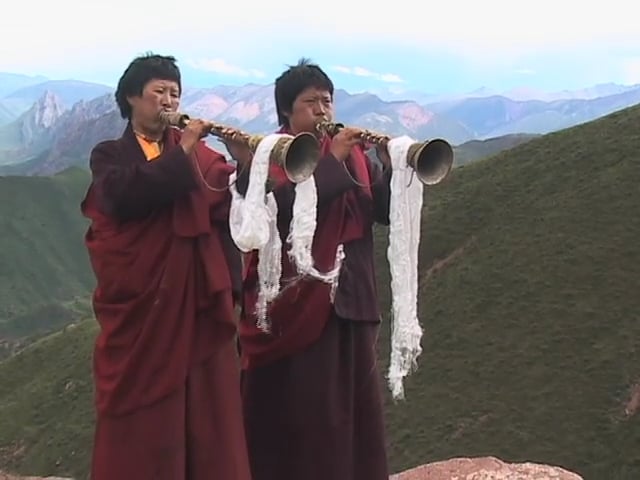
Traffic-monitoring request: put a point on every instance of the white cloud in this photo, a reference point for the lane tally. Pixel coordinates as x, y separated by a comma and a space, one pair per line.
363, 72
525, 71
631, 71
484, 33
493, 27
491, 30
221, 66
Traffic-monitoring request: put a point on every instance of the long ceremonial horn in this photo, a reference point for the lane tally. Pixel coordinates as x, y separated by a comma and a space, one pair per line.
298, 156
431, 160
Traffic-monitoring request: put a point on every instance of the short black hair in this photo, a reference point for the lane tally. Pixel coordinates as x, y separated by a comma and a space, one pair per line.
293, 81
141, 71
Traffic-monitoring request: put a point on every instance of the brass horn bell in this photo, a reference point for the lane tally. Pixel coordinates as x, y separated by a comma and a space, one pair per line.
432, 160
298, 156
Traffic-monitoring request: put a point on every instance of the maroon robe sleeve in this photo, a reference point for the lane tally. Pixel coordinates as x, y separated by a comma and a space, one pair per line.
129, 189
381, 191
233, 257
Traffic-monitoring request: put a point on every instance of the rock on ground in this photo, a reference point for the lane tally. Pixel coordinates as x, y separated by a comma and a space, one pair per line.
485, 468
6, 476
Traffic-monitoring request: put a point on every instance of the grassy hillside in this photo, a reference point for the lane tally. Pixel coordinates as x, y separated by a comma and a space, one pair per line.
531, 321
45, 404
43, 264
477, 149
532, 328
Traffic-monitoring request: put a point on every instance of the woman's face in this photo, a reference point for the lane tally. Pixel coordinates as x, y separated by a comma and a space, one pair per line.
157, 96
309, 108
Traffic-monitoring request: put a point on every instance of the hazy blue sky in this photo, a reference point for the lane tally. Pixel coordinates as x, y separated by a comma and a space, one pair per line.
441, 47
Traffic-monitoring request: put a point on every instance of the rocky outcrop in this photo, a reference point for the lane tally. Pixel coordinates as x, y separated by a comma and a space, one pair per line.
485, 468
42, 116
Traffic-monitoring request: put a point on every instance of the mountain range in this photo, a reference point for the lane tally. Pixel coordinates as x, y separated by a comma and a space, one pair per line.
49, 125
518, 94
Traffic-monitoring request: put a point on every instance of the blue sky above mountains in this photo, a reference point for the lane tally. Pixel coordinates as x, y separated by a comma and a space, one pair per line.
441, 47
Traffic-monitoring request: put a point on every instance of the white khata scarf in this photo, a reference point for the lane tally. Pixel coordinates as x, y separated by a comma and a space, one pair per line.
405, 212
253, 226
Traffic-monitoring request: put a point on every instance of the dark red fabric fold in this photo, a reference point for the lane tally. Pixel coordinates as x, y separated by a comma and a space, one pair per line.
162, 285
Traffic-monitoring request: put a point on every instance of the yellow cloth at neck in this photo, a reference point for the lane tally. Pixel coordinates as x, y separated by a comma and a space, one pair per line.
151, 148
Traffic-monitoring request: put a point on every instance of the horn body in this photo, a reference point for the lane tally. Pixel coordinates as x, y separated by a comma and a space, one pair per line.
298, 156
431, 160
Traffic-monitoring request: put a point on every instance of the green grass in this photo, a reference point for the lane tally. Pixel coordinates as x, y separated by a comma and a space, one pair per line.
45, 404
531, 332
43, 263
477, 149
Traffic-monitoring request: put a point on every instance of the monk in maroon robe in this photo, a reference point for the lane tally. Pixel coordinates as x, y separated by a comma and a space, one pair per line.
311, 386
166, 367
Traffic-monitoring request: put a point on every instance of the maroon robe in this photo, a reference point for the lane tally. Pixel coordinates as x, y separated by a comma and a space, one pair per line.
311, 392
165, 365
